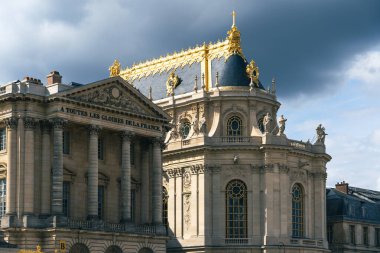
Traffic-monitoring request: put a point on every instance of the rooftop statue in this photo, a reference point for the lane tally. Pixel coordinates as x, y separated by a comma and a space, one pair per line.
321, 134
282, 122
115, 68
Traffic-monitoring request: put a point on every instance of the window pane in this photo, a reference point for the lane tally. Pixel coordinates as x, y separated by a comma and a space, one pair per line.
101, 202
297, 211
236, 210
234, 127
3, 187
3, 139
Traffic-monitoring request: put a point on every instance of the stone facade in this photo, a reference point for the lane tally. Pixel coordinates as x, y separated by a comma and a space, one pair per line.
233, 181
82, 165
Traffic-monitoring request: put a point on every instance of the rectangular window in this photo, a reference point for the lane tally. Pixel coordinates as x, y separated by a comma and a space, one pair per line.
352, 235
101, 202
3, 139
365, 236
66, 199
66, 142
3, 187
377, 237
100, 148
330, 233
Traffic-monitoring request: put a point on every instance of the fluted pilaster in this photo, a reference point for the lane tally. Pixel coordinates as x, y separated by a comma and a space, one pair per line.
93, 169
157, 182
45, 168
11, 124
29, 126
126, 176
145, 185
57, 174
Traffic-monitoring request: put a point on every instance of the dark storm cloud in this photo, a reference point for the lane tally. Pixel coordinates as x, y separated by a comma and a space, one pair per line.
305, 44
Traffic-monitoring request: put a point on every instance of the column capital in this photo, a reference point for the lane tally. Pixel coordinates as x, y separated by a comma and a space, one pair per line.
58, 123
159, 141
11, 122
45, 126
127, 135
30, 123
94, 129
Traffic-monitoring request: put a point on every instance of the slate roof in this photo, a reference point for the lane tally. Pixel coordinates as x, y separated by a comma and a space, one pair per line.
359, 204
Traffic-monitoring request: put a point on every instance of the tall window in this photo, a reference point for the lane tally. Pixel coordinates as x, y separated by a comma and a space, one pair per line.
3, 193
297, 211
234, 126
66, 142
236, 209
184, 129
3, 139
100, 148
352, 235
66, 199
365, 236
101, 202
377, 237
165, 198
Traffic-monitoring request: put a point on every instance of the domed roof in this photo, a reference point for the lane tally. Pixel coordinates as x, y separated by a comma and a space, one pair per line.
233, 72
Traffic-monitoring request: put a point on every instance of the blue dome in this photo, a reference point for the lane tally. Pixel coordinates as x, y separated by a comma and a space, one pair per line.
232, 72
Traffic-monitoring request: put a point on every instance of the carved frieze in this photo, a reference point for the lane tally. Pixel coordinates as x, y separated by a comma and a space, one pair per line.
111, 96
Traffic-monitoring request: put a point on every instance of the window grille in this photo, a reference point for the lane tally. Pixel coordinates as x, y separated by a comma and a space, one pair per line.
234, 126
236, 209
297, 211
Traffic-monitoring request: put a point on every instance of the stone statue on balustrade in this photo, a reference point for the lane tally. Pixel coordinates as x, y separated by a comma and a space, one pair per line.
267, 121
321, 134
281, 127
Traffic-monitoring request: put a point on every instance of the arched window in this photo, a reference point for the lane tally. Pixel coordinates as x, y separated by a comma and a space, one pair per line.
165, 198
234, 126
236, 209
297, 211
261, 124
114, 249
184, 129
79, 248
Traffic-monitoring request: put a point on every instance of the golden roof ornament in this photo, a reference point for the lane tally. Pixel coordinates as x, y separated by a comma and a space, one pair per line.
253, 72
234, 39
172, 82
115, 68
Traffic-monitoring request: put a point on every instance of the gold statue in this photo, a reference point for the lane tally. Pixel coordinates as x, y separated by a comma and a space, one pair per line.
172, 82
253, 72
115, 68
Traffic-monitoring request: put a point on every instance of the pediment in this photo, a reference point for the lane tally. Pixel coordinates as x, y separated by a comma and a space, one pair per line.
115, 93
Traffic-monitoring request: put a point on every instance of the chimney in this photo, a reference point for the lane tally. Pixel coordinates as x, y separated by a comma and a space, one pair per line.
342, 187
54, 77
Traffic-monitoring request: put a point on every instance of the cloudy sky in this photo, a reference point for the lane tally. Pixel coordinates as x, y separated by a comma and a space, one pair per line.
324, 54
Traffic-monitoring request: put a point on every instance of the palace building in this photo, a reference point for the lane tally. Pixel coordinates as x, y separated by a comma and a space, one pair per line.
81, 167
233, 181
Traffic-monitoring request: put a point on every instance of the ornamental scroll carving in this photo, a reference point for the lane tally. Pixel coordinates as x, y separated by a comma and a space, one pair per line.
110, 96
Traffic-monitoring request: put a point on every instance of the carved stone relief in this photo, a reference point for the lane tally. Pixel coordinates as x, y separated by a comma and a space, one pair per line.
110, 96
186, 208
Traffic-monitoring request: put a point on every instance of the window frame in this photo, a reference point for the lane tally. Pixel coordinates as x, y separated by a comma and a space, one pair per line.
352, 234
236, 222
232, 132
298, 211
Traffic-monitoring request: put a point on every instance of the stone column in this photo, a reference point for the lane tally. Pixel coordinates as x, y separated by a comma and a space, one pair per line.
157, 182
11, 124
126, 177
29, 125
57, 174
145, 185
93, 169
45, 168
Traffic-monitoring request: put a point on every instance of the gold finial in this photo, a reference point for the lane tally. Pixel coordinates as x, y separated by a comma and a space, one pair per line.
233, 19
115, 68
196, 84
